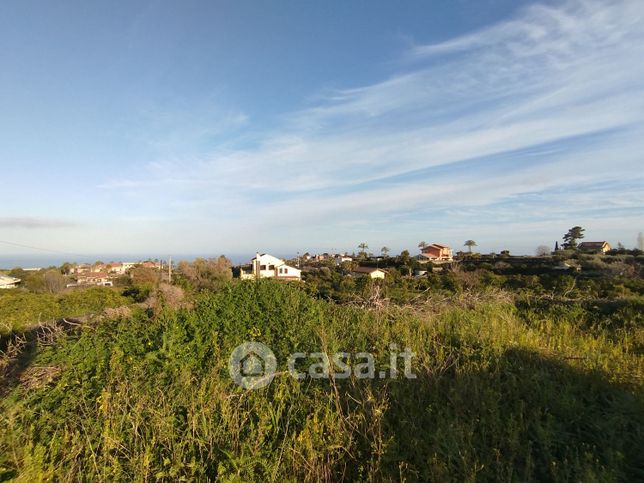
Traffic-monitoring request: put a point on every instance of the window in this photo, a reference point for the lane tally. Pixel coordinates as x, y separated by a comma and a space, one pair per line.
262, 267
271, 267
286, 270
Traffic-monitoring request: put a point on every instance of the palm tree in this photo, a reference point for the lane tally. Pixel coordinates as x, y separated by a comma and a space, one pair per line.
469, 244
385, 251
363, 248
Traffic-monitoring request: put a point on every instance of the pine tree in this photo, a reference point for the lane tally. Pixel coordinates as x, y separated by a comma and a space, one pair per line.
570, 238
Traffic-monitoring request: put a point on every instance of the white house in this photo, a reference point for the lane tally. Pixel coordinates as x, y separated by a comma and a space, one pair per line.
120, 268
371, 272
268, 266
8, 282
340, 259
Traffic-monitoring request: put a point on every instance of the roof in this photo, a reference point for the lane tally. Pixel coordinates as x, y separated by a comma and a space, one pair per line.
593, 244
262, 255
286, 265
4, 279
436, 245
93, 275
367, 269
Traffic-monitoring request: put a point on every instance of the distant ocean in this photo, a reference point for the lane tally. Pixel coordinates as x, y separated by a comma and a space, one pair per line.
42, 261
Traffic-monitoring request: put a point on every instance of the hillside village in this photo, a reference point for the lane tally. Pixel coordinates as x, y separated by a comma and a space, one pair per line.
85, 274
431, 258
434, 257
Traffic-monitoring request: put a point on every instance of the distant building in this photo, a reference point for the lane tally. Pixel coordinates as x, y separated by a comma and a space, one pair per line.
268, 266
8, 282
340, 259
371, 272
94, 278
120, 268
594, 247
81, 268
150, 264
437, 251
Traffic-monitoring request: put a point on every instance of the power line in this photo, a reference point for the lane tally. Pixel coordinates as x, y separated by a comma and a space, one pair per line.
41, 249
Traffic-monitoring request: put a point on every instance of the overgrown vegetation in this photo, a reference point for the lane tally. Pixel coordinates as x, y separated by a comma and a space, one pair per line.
20, 310
506, 389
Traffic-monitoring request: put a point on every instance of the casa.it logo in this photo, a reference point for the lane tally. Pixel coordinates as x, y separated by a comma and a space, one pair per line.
252, 365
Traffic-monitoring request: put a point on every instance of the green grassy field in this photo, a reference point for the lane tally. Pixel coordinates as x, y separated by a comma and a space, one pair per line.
504, 392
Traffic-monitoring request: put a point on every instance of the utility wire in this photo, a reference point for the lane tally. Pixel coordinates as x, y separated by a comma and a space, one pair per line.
42, 249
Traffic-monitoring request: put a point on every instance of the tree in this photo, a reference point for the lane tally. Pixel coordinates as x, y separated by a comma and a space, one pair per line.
570, 238
542, 250
556, 246
144, 275
363, 248
422, 245
53, 281
469, 244
66, 268
385, 251
210, 273
405, 258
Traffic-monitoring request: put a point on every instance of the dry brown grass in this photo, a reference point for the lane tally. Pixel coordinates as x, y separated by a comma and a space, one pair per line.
38, 377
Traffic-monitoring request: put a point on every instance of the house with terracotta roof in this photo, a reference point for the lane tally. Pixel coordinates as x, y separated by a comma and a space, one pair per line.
595, 247
94, 278
150, 264
437, 252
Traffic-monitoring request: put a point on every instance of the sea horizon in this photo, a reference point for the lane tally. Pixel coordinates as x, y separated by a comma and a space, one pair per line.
9, 261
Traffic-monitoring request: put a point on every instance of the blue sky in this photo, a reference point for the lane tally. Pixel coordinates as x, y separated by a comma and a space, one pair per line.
229, 127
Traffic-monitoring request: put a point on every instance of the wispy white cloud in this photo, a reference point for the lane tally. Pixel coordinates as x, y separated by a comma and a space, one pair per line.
35, 223
568, 75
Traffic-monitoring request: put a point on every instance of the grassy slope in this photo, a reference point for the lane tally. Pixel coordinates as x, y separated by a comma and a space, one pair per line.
498, 396
21, 311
